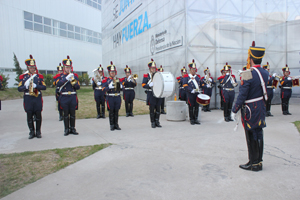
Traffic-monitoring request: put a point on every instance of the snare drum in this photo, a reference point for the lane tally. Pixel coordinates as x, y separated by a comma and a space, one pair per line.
163, 84
203, 99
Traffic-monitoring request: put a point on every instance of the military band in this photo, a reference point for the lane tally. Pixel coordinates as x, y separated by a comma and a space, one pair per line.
129, 84
182, 92
99, 94
207, 84
286, 90
57, 93
31, 83
68, 85
153, 102
112, 86
191, 84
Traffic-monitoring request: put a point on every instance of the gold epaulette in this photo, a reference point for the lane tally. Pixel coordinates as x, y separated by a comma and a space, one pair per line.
247, 75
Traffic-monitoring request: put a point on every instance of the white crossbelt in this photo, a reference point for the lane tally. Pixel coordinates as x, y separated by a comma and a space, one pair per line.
115, 94
287, 87
149, 90
254, 100
129, 88
263, 86
269, 86
229, 89
98, 88
27, 93
68, 93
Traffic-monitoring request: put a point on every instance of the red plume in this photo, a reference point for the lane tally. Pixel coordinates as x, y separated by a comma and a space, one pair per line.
126, 66
59, 64
286, 65
193, 61
151, 59
207, 67
183, 66
68, 57
226, 63
267, 63
100, 65
253, 43
30, 56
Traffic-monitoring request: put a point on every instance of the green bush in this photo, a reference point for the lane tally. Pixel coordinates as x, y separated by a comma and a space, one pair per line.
48, 79
5, 81
84, 79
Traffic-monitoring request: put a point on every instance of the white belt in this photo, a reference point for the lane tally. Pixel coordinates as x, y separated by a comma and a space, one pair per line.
68, 93
129, 88
27, 93
98, 88
181, 87
269, 86
149, 90
254, 100
115, 94
287, 87
229, 89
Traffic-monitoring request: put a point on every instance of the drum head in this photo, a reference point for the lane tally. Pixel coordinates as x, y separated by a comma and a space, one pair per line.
163, 84
158, 85
203, 96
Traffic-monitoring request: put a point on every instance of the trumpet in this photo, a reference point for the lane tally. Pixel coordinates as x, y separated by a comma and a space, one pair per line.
135, 76
32, 91
207, 77
97, 77
279, 77
116, 84
233, 81
73, 81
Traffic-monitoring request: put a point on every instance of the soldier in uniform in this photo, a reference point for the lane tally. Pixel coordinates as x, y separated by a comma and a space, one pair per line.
286, 90
220, 79
129, 84
228, 83
207, 83
59, 71
251, 101
112, 86
153, 102
31, 83
191, 84
162, 106
99, 94
1, 79
68, 85
270, 90
182, 92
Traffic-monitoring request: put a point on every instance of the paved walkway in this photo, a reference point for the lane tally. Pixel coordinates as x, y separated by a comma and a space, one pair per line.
178, 161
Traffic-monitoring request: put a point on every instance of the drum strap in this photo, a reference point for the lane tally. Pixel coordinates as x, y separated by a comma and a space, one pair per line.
194, 81
150, 78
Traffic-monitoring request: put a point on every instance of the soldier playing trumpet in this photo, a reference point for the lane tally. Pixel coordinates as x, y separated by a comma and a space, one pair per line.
207, 83
129, 84
99, 94
31, 83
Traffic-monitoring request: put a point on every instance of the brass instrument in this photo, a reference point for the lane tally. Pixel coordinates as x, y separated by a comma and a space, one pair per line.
233, 81
97, 78
32, 91
73, 81
135, 76
116, 84
279, 77
207, 77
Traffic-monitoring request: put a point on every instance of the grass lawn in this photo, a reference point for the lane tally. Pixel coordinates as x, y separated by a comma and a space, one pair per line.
297, 124
87, 104
21, 169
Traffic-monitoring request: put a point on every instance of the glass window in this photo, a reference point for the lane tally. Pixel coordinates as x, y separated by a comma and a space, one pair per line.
55, 23
47, 21
77, 29
95, 34
38, 18
38, 27
90, 32
63, 25
28, 25
99, 35
47, 29
94, 5
95, 40
89, 2
83, 37
99, 1
100, 41
63, 33
70, 27
77, 36
83, 31
90, 39
70, 35
27, 16
99, 7
55, 31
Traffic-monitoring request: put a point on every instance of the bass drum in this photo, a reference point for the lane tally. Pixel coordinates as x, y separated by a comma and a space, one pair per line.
203, 99
163, 84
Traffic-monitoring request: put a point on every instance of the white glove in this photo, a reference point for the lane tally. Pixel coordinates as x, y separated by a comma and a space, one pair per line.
205, 76
274, 90
193, 91
210, 79
227, 73
151, 84
121, 86
69, 76
240, 72
274, 74
34, 85
208, 86
289, 78
99, 83
233, 116
110, 86
26, 84
129, 78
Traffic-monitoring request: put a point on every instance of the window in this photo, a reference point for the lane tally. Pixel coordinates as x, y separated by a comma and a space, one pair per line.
77, 29
38, 19
55, 23
70, 34
70, 27
47, 21
38, 27
28, 25
77, 36
63, 33
27, 16
63, 25
47, 29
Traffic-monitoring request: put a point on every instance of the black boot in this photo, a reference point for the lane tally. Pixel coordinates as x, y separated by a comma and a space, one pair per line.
38, 124
116, 118
283, 107
287, 107
162, 107
196, 113
248, 136
30, 125
111, 119
225, 112
103, 110
204, 108
191, 114
208, 109
222, 103
61, 116
152, 116
253, 164
157, 114
261, 150
72, 123
34, 117
130, 109
66, 122
98, 110
127, 108
229, 111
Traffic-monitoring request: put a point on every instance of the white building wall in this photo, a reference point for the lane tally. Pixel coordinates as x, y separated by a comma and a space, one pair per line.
48, 50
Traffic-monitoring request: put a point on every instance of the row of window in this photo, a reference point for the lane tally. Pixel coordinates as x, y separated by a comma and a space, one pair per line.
54, 27
94, 3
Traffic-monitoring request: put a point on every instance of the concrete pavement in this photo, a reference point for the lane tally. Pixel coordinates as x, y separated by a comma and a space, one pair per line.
177, 161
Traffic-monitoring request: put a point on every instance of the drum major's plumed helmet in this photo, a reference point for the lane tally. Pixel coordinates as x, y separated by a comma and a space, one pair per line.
256, 53
30, 62
59, 67
160, 69
226, 67
151, 64
206, 70
222, 70
100, 68
183, 69
192, 65
67, 62
127, 69
245, 68
286, 69
267, 66
111, 67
